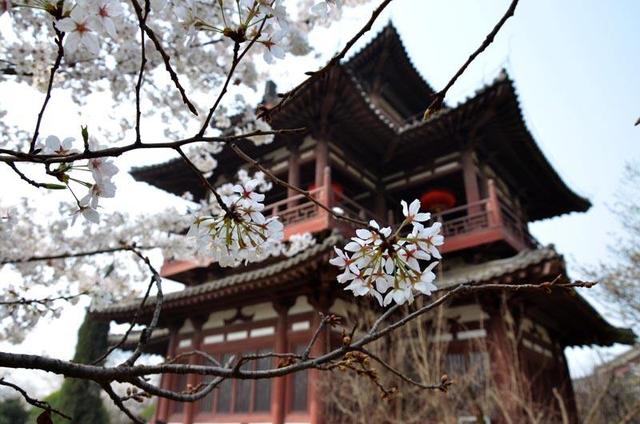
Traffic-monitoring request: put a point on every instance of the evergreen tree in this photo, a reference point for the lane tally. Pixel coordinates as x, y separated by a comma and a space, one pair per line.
12, 411
81, 398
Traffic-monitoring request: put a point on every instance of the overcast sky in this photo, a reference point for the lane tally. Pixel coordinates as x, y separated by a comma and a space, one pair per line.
575, 64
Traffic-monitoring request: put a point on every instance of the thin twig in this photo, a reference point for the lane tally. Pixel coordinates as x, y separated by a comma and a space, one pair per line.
205, 182
442, 386
438, 98
17, 156
41, 301
31, 401
297, 189
237, 58
323, 323
54, 69
121, 406
134, 321
147, 332
313, 76
73, 254
143, 61
165, 57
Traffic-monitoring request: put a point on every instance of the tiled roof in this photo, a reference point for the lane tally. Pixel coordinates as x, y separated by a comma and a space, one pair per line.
231, 280
496, 268
474, 273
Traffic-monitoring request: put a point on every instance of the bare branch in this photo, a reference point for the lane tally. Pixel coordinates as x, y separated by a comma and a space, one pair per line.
438, 98
165, 57
118, 402
31, 401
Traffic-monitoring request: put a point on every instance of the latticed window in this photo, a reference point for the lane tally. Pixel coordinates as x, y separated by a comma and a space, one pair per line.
299, 387
239, 396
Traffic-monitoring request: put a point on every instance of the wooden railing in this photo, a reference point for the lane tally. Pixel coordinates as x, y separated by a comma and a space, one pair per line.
465, 219
300, 214
296, 208
484, 221
464, 226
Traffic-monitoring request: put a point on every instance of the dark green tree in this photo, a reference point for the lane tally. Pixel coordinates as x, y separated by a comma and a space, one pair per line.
80, 399
12, 411
54, 400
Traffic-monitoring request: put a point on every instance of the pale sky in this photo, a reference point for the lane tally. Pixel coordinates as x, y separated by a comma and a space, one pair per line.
575, 64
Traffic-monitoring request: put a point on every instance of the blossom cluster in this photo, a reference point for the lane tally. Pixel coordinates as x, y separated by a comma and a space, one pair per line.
388, 266
239, 232
102, 170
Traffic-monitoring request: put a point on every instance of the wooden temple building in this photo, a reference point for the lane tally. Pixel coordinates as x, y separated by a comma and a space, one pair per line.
475, 166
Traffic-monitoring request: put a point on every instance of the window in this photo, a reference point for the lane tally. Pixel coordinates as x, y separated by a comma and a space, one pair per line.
181, 384
299, 386
239, 396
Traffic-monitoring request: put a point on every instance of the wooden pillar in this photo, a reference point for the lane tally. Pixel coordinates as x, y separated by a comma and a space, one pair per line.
380, 204
469, 174
322, 159
278, 384
192, 379
566, 389
294, 171
166, 380
493, 206
321, 303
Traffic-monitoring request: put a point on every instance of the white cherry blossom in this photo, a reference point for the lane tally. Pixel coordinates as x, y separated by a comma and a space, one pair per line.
105, 12
378, 261
79, 31
53, 146
412, 212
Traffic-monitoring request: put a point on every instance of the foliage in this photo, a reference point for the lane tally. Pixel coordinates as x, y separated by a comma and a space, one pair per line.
81, 398
12, 411
620, 277
54, 400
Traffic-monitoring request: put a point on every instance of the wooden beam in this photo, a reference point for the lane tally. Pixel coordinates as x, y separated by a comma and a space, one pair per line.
166, 380
294, 171
322, 160
279, 384
470, 173
192, 379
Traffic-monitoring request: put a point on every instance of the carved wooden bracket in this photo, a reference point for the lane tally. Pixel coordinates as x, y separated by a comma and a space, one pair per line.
239, 316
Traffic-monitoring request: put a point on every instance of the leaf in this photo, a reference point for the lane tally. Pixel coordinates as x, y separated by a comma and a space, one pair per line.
55, 186
45, 417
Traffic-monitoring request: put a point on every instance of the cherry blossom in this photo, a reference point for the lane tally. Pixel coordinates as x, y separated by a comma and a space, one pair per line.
105, 12
102, 188
238, 232
388, 265
54, 146
79, 31
322, 8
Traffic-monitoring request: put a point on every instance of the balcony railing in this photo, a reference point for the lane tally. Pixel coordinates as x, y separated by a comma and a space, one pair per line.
299, 214
485, 221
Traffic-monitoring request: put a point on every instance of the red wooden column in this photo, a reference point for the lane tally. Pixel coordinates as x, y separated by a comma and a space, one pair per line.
166, 380
469, 174
294, 171
278, 384
501, 356
322, 159
321, 303
192, 379
493, 206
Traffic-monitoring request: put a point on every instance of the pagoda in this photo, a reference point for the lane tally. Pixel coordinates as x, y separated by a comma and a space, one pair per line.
365, 147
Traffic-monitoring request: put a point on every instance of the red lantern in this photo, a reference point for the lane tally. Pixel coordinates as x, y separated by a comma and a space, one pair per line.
336, 188
437, 200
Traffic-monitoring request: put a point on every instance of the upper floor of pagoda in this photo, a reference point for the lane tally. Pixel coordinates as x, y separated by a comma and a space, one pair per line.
475, 166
